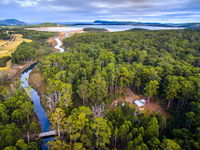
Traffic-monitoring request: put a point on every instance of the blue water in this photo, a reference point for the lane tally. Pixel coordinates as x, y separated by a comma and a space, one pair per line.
115, 28
38, 108
111, 28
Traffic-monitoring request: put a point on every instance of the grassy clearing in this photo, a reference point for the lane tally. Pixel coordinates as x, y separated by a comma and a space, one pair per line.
11, 47
2, 42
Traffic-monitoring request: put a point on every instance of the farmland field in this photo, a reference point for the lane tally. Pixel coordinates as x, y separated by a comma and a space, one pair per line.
11, 47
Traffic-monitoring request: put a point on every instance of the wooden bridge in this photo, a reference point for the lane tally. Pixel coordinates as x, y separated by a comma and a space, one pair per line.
47, 134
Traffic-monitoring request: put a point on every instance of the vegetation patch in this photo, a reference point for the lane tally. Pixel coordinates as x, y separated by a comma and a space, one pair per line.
35, 35
8, 47
162, 66
95, 30
3, 61
30, 51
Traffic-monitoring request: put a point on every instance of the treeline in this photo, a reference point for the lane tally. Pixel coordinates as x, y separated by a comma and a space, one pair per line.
45, 24
34, 35
4, 34
162, 65
17, 120
30, 51
95, 29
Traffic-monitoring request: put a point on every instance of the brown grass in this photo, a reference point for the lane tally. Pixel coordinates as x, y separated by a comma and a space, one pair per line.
75, 32
37, 82
11, 47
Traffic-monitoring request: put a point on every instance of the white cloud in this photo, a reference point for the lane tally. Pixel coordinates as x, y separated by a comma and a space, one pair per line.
61, 8
27, 3
100, 5
103, 12
24, 3
56, 8
134, 10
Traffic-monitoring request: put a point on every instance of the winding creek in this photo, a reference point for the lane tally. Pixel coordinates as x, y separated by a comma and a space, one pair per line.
38, 108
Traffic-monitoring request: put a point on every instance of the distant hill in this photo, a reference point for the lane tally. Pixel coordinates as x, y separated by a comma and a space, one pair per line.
190, 25
185, 25
47, 24
10, 22
131, 23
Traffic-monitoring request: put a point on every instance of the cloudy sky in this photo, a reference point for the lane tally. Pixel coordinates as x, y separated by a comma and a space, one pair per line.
165, 11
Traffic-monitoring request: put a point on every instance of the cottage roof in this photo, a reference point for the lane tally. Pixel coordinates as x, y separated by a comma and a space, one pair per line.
140, 103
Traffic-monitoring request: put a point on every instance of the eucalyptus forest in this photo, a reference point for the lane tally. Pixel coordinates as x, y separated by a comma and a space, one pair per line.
97, 68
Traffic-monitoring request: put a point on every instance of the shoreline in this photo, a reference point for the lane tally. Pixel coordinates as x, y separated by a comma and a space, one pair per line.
17, 70
36, 81
52, 41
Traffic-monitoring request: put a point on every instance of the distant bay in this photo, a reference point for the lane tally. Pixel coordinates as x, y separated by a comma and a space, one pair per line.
111, 28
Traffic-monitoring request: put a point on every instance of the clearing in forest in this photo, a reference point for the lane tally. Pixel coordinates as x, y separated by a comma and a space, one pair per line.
130, 97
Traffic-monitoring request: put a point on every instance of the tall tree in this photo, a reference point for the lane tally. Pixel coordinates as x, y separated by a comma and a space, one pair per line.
170, 145
84, 91
99, 88
101, 131
151, 89
77, 122
58, 120
152, 129
171, 89
58, 92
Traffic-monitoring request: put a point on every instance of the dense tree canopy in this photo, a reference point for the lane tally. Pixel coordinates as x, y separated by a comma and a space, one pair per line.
16, 120
29, 51
82, 83
162, 65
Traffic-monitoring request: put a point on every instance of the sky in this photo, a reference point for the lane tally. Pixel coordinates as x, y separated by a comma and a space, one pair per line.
163, 11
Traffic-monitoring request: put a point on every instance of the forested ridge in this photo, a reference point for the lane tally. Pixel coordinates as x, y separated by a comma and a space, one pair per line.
82, 82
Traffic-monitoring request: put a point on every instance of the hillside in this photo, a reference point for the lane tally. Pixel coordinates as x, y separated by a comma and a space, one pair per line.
191, 25
131, 23
9, 22
46, 24
185, 25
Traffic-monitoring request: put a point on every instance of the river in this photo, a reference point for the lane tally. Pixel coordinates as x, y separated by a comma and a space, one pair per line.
38, 108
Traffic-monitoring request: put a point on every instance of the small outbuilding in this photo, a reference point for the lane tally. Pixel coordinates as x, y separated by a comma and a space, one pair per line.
140, 103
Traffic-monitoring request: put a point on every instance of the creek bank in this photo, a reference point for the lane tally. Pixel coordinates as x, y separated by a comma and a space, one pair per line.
36, 81
38, 108
53, 42
16, 70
